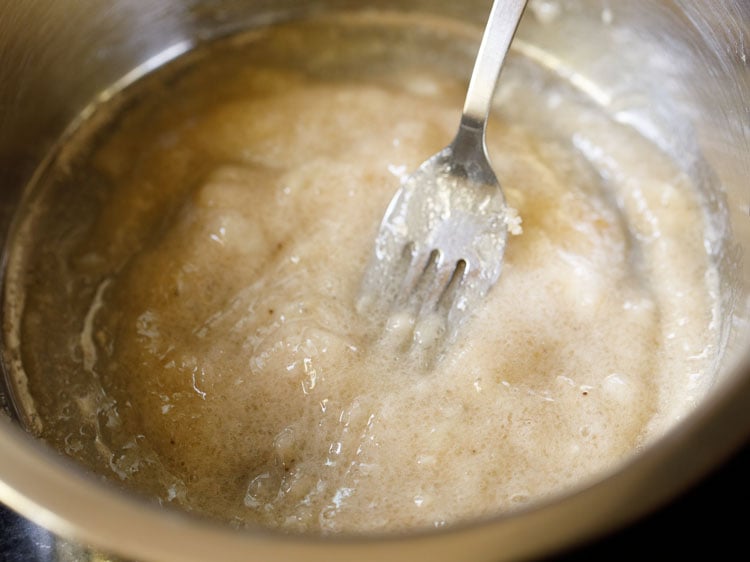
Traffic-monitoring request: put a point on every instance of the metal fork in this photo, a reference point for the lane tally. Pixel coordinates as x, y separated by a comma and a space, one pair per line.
441, 242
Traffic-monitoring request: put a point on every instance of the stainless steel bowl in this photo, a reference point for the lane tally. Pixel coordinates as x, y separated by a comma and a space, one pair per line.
676, 70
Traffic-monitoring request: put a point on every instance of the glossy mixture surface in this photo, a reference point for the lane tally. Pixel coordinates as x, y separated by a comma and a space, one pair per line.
180, 299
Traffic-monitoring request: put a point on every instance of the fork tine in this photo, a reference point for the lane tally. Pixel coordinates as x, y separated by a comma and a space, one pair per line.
433, 326
401, 267
423, 280
452, 287
433, 293
462, 298
382, 281
419, 267
428, 339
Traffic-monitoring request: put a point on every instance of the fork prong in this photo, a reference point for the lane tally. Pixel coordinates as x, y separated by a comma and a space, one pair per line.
461, 297
433, 327
381, 285
432, 293
420, 266
452, 287
400, 270
423, 279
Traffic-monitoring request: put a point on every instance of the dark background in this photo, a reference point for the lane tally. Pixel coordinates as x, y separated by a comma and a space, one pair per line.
710, 522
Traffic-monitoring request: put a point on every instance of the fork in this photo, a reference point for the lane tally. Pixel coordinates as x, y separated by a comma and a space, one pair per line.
440, 245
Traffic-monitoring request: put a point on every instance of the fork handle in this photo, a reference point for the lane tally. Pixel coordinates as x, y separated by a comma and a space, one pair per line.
498, 34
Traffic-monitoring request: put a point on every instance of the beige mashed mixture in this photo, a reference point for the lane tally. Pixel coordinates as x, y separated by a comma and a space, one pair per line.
181, 296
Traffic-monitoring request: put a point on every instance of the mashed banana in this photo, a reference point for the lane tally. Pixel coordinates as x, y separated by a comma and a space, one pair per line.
184, 292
